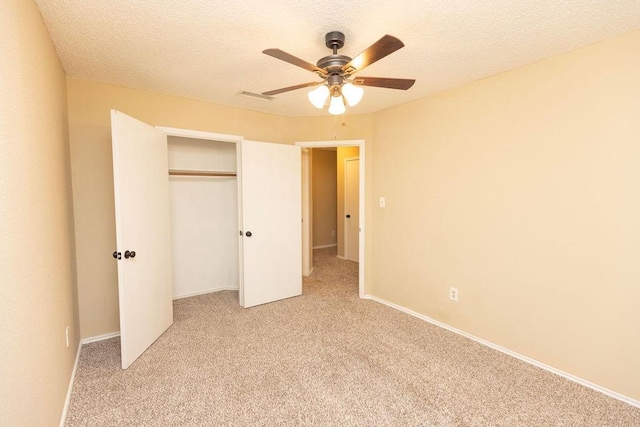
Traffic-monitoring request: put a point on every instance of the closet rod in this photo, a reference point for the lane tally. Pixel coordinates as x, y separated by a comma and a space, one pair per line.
199, 173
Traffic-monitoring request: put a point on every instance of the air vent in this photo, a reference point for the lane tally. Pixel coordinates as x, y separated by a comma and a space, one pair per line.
256, 95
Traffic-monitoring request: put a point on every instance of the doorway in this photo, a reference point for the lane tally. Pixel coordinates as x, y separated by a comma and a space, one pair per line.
359, 222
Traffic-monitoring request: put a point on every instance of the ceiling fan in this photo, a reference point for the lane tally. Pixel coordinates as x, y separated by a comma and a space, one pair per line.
337, 72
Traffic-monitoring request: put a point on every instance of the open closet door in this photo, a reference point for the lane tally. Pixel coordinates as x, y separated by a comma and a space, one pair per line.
271, 217
143, 233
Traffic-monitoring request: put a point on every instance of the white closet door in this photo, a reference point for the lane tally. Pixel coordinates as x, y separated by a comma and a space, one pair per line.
143, 225
271, 218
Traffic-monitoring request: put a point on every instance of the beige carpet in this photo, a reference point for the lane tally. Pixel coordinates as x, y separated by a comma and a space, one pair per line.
325, 358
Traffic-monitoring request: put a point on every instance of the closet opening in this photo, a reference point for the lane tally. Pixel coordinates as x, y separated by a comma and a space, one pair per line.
203, 193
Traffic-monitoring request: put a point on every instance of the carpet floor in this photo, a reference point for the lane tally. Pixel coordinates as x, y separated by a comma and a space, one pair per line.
326, 358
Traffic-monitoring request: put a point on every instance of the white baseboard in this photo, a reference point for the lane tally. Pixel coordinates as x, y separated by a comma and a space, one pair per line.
504, 350
325, 246
70, 388
100, 338
207, 291
341, 257
310, 271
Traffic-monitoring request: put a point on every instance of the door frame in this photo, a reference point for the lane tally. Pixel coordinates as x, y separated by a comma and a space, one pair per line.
362, 206
307, 235
345, 239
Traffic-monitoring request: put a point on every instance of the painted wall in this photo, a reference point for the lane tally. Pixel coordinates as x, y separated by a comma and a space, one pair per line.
36, 254
343, 153
521, 190
324, 197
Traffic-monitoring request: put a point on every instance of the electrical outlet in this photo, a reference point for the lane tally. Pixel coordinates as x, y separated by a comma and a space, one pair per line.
382, 203
453, 294
66, 334
333, 234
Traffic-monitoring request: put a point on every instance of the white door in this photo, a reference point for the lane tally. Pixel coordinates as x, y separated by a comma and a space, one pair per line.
271, 218
143, 226
351, 208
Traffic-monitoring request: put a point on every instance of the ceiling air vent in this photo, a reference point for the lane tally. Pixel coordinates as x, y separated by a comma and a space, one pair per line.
256, 95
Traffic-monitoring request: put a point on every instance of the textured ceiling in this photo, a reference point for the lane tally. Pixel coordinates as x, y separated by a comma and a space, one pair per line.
211, 49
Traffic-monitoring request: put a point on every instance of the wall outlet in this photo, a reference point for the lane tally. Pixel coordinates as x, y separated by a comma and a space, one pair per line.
453, 294
382, 202
333, 234
66, 334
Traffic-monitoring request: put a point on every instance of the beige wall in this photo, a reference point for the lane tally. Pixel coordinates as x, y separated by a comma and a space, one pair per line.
343, 153
36, 254
521, 190
324, 197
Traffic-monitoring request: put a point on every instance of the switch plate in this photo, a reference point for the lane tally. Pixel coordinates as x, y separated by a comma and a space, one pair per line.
383, 202
333, 234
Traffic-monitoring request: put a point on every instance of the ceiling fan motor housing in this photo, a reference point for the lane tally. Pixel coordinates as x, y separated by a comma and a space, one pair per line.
334, 63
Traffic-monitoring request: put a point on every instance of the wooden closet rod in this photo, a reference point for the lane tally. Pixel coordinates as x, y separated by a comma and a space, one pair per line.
174, 172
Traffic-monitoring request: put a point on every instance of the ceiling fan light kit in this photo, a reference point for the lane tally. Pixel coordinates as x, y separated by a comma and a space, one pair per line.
336, 106
353, 94
319, 95
337, 72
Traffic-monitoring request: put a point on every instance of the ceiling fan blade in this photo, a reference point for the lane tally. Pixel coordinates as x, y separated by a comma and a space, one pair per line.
385, 82
287, 57
383, 47
287, 89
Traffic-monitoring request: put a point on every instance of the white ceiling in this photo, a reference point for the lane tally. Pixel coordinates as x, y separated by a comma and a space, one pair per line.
211, 49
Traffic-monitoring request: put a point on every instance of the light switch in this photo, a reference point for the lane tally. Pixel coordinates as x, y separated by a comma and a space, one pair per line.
383, 202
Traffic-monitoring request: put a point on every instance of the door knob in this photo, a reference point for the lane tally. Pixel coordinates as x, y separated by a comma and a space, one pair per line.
248, 234
129, 254
117, 255
348, 216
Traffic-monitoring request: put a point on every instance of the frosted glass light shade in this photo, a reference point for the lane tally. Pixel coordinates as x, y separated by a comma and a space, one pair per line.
337, 105
318, 96
352, 93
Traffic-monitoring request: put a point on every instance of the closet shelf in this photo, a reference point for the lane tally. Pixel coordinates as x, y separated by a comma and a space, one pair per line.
179, 172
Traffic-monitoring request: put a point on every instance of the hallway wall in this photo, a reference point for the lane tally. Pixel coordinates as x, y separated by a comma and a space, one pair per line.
325, 194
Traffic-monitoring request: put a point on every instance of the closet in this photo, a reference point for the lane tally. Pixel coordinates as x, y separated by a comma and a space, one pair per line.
198, 212
203, 193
